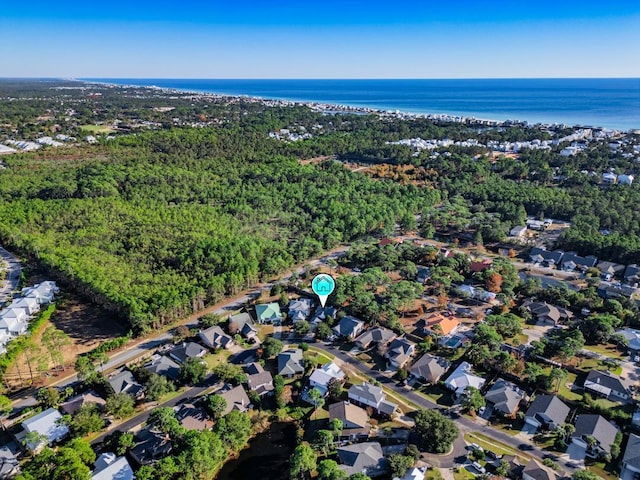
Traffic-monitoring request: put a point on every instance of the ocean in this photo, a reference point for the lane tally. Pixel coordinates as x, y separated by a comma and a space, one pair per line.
600, 102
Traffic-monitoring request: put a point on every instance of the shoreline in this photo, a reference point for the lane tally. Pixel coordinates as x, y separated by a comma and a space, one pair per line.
363, 109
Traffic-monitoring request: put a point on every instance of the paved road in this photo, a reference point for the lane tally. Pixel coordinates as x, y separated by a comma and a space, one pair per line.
464, 423
12, 278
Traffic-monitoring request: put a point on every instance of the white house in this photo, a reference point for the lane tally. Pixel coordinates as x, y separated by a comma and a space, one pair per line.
371, 396
110, 467
30, 304
48, 424
609, 178
461, 378
631, 459
518, 231
42, 292
321, 377
14, 315
625, 179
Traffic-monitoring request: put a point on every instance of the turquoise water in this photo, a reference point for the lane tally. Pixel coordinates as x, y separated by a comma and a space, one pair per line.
610, 103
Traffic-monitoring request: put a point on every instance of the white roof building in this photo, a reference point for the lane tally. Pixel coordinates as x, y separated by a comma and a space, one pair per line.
461, 378
321, 377
47, 424
108, 467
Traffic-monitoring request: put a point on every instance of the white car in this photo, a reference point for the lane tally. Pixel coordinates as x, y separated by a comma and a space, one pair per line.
479, 467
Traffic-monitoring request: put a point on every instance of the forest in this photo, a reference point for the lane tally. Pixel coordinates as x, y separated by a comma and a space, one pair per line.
158, 225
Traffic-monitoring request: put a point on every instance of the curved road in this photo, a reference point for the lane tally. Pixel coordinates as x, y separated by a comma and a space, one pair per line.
12, 278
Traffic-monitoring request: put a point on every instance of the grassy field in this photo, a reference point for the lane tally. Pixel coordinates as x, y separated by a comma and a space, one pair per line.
493, 445
96, 129
607, 350
214, 359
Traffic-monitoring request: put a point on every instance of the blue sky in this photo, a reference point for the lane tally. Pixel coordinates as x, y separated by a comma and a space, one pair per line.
320, 39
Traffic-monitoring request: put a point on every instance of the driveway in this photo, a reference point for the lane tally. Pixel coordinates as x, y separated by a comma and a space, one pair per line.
576, 452
12, 277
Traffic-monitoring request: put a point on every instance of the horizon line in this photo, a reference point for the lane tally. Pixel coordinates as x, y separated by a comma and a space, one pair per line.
317, 78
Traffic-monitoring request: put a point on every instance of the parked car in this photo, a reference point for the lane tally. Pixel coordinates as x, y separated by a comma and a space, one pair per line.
479, 467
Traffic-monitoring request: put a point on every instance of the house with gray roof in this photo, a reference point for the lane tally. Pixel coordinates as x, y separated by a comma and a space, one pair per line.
9, 465
300, 309
546, 313
379, 336
364, 458
633, 338
187, 350
607, 385
349, 327
504, 397
290, 362
631, 459
236, 399
536, 471
632, 274
215, 338
269, 313
461, 378
597, 427
74, 404
125, 382
615, 290
243, 324
163, 365
572, 261
151, 445
355, 421
400, 352
258, 379
547, 411
608, 270
544, 257
429, 368
372, 396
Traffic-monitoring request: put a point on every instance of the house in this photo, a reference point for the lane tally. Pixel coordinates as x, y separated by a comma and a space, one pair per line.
187, 350
597, 429
544, 257
163, 365
259, 380
615, 290
364, 458
504, 397
609, 178
632, 274
625, 179
424, 273
192, 417
349, 327
609, 270
9, 465
631, 459
300, 309
110, 467
237, 399
43, 292
215, 338
475, 293
322, 313
413, 473
379, 335
14, 320
429, 368
290, 362
399, 352
151, 445
321, 377
480, 266
29, 304
47, 424
547, 314
371, 396
461, 378
242, 324
125, 382
572, 261
437, 324
535, 471
633, 337
547, 411
355, 421
518, 231
268, 313
609, 386
74, 404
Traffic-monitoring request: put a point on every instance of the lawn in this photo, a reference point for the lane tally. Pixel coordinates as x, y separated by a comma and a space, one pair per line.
601, 469
460, 473
588, 364
608, 350
436, 394
96, 129
565, 392
214, 359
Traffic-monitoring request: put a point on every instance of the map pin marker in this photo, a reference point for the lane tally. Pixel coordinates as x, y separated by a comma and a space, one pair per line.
322, 285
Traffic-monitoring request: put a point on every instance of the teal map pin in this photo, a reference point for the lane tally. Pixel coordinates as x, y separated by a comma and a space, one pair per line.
322, 285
